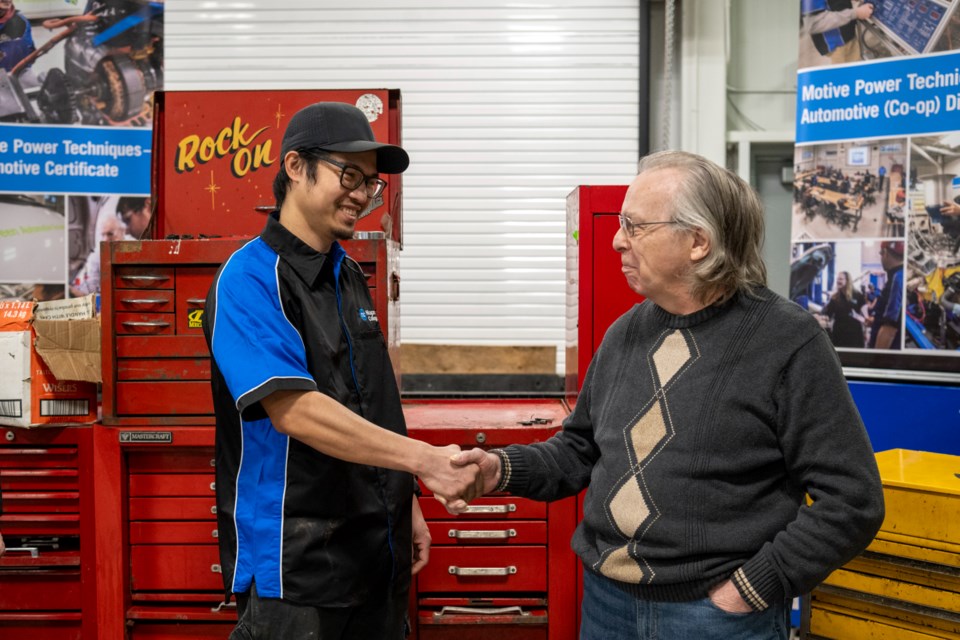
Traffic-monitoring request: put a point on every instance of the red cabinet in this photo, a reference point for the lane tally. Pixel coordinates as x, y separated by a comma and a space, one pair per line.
597, 291
45, 476
156, 365
504, 566
160, 565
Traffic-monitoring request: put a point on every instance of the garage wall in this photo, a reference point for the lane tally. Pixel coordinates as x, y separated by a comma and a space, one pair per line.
507, 106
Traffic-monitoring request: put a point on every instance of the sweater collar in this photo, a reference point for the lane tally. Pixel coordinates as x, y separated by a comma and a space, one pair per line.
690, 320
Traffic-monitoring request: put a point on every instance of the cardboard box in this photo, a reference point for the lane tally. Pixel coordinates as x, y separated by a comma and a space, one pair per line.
51, 362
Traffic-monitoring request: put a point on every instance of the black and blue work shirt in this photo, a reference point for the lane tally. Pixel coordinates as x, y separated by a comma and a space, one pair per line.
305, 526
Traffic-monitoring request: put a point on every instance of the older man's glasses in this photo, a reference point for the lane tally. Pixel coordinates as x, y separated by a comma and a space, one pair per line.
351, 178
630, 227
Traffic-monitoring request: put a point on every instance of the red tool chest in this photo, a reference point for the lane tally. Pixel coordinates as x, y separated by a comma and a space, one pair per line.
159, 572
505, 565
46, 479
156, 366
597, 291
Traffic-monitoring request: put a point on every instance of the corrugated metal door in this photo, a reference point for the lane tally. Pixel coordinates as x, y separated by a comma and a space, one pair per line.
507, 106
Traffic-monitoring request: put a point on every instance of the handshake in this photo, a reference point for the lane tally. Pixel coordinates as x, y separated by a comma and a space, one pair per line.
458, 477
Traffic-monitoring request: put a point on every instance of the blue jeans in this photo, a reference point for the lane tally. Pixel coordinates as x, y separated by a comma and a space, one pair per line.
609, 613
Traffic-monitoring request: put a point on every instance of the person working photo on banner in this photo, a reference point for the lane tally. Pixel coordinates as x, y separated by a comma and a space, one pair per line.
832, 26
320, 531
709, 415
16, 36
887, 314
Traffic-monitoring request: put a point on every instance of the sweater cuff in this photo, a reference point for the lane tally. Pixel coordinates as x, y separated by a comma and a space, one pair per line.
758, 583
514, 472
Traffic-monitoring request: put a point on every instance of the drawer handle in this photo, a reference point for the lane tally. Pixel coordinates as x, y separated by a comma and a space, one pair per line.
33, 551
157, 323
145, 278
490, 508
215, 568
213, 509
482, 535
215, 533
481, 571
196, 302
144, 301
213, 486
213, 462
483, 611
223, 605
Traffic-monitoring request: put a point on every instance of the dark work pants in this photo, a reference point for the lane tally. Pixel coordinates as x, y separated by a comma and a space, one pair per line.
381, 617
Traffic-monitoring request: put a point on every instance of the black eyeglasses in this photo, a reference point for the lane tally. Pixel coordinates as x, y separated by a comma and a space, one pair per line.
351, 178
630, 228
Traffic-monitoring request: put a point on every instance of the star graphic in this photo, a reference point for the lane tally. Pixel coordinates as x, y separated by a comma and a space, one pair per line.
212, 188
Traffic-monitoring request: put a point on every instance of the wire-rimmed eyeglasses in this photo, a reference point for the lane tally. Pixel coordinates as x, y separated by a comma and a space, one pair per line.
630, 227
351, 178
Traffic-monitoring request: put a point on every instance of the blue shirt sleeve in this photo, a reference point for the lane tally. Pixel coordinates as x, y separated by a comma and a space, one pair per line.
891, 313
256, 347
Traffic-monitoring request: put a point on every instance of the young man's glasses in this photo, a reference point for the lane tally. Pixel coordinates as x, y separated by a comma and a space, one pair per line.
351, 178
630, 228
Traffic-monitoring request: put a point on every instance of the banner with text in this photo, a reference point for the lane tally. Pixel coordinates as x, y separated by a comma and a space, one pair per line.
76, 121
876, 208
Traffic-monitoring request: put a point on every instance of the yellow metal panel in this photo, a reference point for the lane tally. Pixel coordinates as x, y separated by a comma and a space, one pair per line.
922, 494
933, 472
923, 595
829, 620
892, 544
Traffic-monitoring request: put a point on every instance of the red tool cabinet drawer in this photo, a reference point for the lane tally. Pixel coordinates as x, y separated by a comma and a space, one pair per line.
40, 625
147, 300
172, 484
180, 630
204, 532
194, 460
147, 324
173, 567
38, 480
508, 508
193, 283
482, 618
452, 532
38, 458
146, 277
41, 502
487, 569
39, 589
163, 369
40, 525
173, 509
164, 398
161, 347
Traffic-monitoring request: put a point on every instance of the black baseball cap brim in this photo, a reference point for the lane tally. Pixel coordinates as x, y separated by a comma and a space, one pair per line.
340, 127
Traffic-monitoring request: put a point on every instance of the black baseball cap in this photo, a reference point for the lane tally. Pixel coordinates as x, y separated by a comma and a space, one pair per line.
337, 126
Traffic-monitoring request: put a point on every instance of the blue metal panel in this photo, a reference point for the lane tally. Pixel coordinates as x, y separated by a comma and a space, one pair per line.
910, 416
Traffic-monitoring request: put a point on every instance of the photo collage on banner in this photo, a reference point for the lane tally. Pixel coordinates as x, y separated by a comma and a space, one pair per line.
77, 79
876, 201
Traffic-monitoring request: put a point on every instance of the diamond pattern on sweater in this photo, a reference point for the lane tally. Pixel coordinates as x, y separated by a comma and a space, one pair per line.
631, 504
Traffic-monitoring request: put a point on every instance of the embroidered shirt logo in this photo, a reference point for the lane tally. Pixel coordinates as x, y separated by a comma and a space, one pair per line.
368, 315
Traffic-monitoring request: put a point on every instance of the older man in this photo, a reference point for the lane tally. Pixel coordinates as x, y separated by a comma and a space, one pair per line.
708, 415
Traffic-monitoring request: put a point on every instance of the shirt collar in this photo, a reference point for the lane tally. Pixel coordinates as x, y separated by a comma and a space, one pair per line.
306, 261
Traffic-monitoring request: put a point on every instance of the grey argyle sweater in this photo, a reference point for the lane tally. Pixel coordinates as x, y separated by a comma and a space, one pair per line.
697, 438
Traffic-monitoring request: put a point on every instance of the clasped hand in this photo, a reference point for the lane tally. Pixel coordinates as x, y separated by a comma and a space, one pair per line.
457, 477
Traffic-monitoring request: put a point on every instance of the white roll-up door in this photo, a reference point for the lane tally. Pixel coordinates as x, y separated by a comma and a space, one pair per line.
507, 106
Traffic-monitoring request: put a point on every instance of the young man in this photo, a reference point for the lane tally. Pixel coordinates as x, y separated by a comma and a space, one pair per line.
319, 528
708, 415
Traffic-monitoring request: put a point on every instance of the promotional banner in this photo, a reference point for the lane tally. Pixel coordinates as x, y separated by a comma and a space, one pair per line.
76, 106
876, 207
